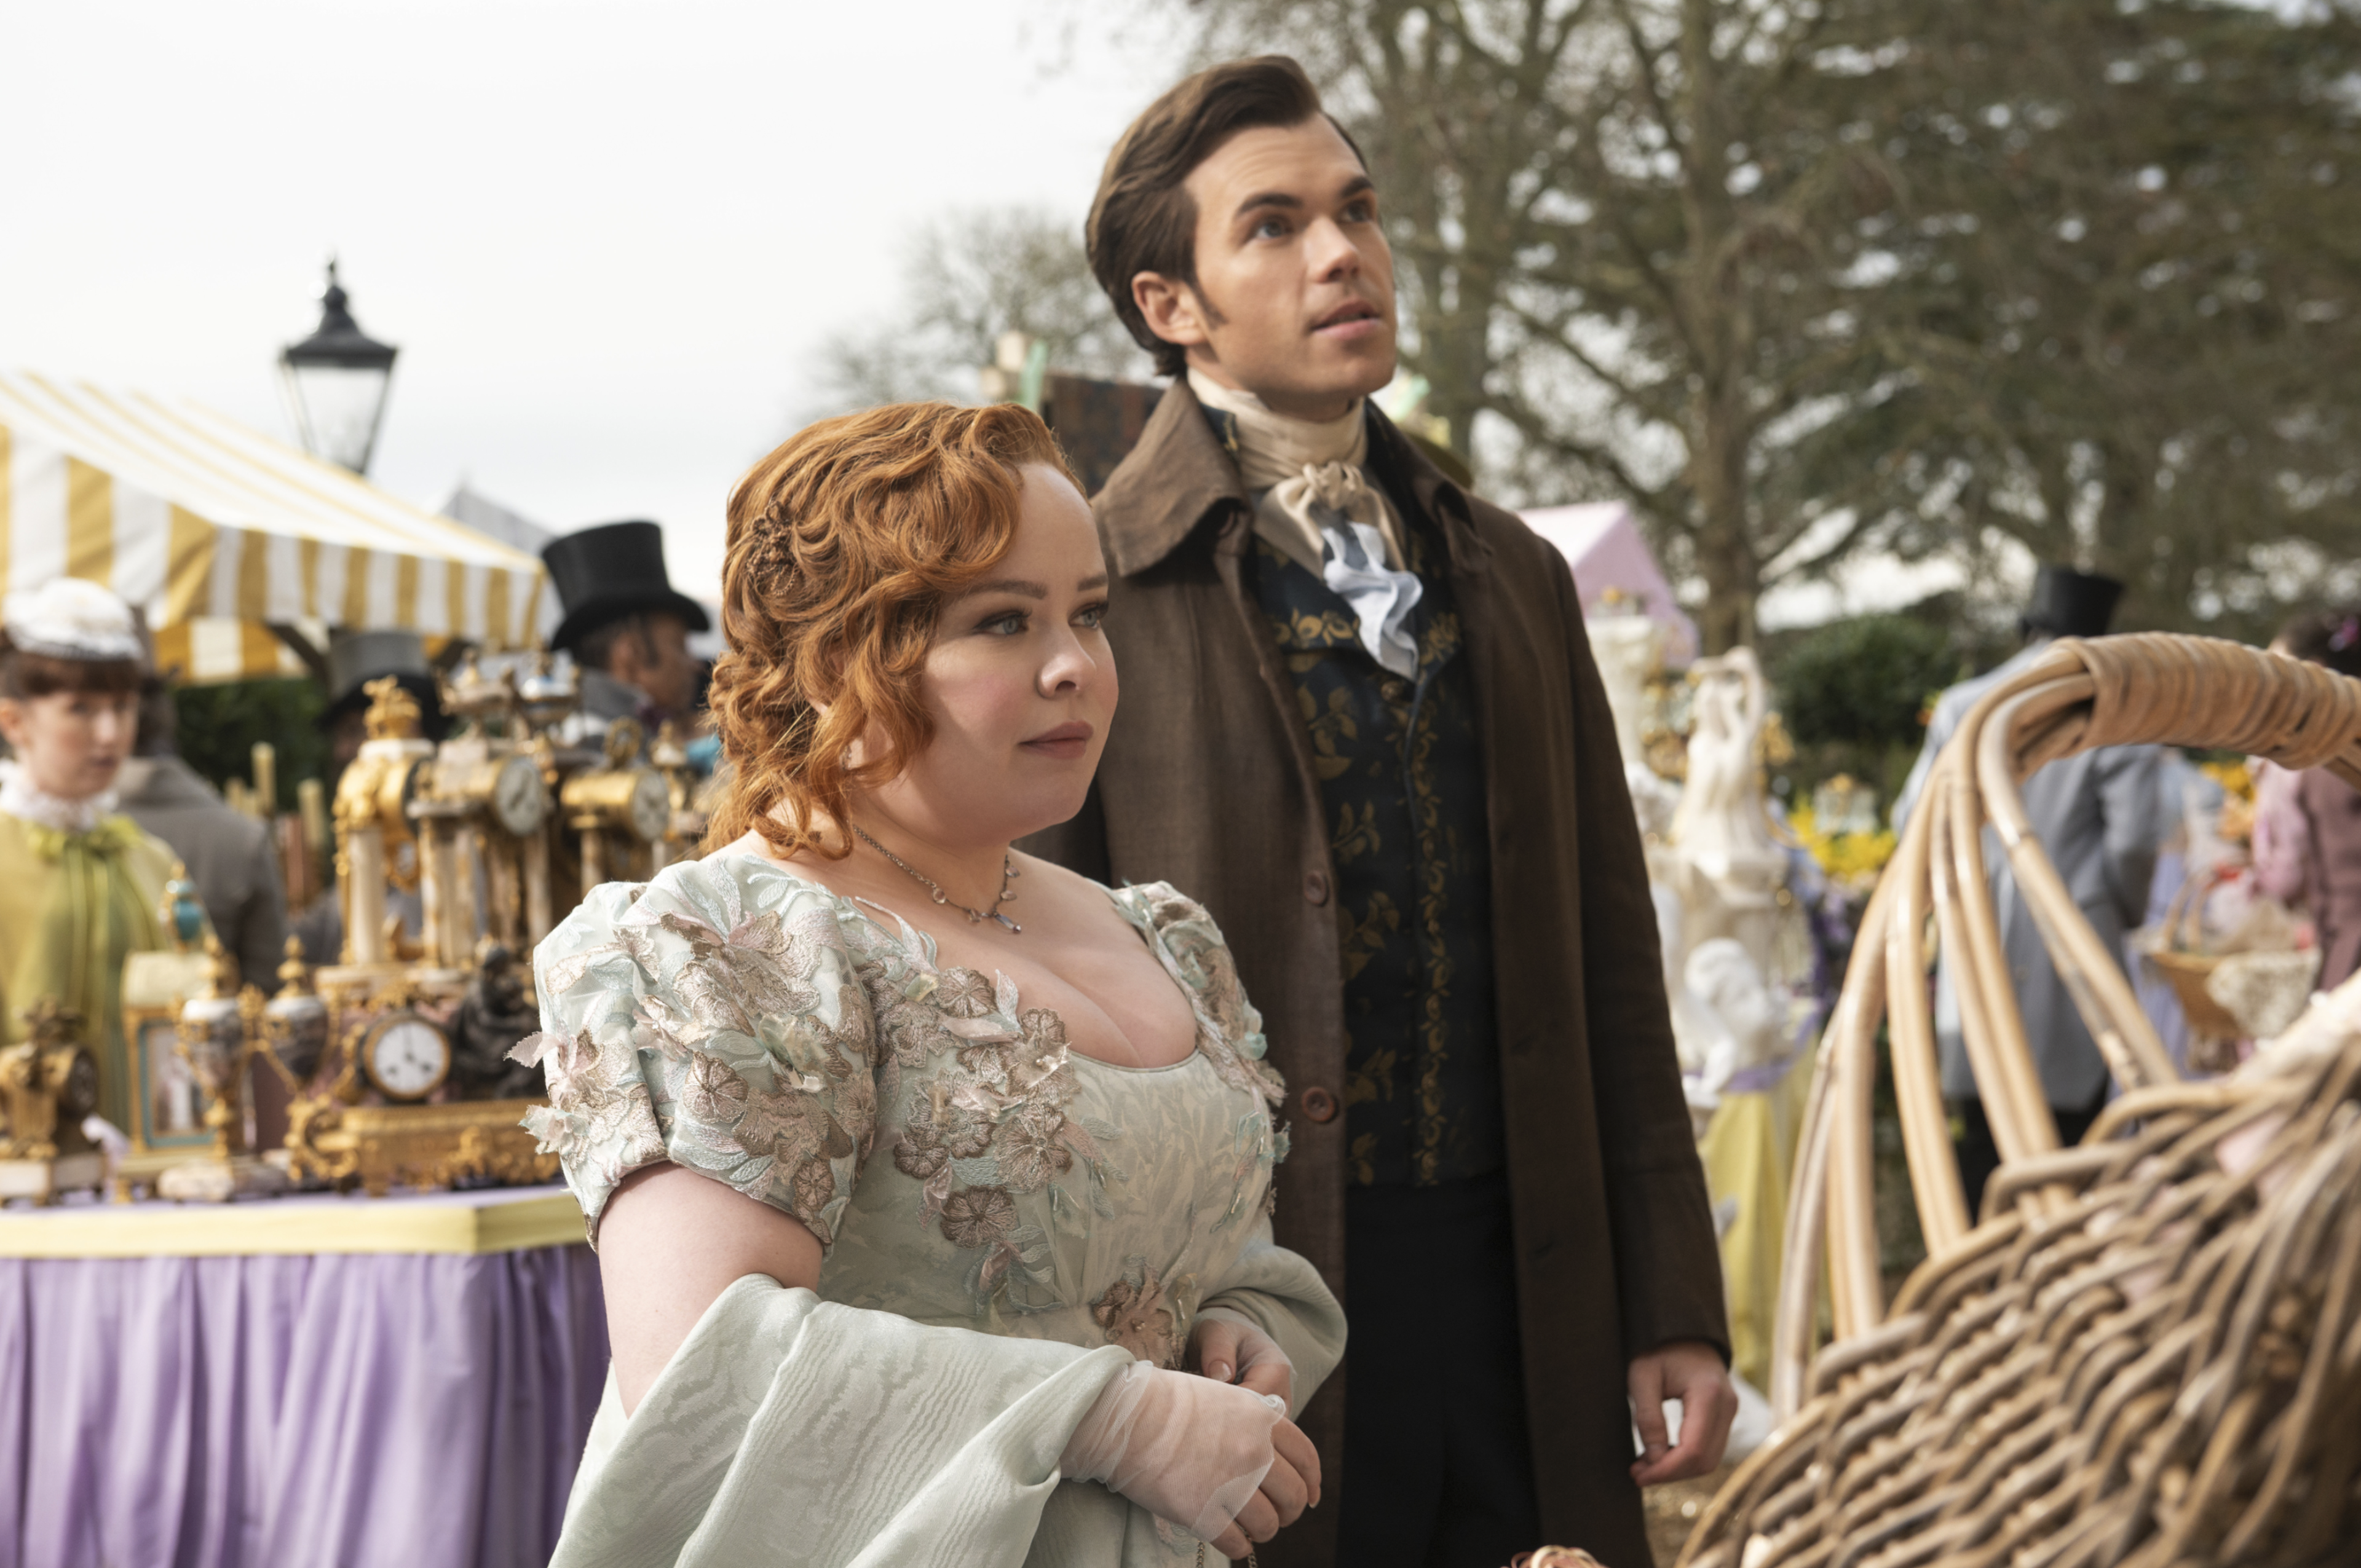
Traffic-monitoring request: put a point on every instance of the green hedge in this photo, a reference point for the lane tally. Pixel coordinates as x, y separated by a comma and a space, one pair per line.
1865, 681
220, 724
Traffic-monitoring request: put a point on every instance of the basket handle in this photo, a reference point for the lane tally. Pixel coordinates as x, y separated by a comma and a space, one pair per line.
2149, 687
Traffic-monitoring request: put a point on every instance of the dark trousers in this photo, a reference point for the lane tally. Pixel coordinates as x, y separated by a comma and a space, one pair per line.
1980, 1153
1438, 1468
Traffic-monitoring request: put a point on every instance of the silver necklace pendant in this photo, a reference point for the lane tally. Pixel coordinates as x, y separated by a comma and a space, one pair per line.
1008, 875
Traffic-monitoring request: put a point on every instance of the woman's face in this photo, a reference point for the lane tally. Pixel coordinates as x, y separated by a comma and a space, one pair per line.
70, 744
1020, 684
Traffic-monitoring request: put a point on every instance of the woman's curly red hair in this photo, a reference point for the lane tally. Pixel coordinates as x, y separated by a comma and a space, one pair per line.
845, 544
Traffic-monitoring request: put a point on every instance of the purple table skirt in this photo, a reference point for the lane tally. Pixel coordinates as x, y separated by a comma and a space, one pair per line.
335, 1412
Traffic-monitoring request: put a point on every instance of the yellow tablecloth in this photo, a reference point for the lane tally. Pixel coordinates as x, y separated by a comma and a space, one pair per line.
1750, 1153
494, 1220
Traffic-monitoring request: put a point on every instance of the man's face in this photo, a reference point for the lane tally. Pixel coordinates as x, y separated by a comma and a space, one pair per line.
658, 664
1294, 300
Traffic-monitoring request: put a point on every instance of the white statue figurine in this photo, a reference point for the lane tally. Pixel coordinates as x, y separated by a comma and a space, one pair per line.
1729, 867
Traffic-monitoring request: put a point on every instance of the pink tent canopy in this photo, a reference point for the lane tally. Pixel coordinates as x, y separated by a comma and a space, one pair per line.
1601, 541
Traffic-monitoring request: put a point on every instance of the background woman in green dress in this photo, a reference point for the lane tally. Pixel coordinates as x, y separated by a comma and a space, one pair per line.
79, 882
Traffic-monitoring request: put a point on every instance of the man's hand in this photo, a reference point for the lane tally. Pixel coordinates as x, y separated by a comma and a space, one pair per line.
1690, 1371
1228, 1350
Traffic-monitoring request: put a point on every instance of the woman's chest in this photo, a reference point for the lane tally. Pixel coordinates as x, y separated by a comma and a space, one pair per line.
1099, 975
1015, 1181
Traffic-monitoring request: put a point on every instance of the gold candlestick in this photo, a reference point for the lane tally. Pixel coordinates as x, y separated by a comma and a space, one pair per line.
222, 1030
266, 780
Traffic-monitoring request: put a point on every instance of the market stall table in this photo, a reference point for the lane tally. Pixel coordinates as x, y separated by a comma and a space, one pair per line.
326, 1379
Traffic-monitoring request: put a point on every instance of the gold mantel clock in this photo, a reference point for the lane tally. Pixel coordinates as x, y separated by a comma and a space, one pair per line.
406, 1056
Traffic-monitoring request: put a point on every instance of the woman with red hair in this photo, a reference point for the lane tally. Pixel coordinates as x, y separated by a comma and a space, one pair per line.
924, 1175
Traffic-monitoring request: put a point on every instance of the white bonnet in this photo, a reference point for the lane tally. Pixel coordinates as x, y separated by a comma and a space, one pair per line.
69, 618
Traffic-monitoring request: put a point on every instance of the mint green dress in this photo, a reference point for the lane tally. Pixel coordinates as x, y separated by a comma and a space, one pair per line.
1005, 1223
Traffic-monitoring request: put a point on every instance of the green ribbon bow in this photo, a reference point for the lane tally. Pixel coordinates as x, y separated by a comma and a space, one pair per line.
107, 842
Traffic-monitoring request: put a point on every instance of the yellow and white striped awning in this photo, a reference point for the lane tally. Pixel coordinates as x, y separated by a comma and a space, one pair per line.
209, 650
193, 518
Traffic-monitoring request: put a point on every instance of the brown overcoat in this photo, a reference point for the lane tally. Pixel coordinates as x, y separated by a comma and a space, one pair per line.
1207, 782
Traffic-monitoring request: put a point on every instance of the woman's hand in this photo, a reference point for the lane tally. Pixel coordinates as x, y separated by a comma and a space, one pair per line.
1229, 1348
1216, 1460
1289, 1487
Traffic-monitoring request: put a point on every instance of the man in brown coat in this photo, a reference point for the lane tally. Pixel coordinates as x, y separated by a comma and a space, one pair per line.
1361, 722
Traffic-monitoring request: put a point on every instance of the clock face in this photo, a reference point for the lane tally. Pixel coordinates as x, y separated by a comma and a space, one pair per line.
518, 798
651, 806
407, 1057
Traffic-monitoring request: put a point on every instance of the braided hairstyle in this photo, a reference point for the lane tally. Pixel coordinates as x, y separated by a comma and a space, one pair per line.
844, 546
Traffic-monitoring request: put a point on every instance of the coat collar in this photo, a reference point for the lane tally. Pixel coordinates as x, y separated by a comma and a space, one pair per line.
1178, 476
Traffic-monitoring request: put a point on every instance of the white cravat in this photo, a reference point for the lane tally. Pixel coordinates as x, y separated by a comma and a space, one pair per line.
1314, 502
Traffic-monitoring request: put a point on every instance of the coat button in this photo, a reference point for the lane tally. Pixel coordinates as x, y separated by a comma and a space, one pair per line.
1319, 1104
1315, 886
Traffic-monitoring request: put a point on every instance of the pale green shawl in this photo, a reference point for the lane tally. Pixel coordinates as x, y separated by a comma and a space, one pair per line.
791, 1431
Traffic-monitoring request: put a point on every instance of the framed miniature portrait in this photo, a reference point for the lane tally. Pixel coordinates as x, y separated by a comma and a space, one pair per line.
171, 1104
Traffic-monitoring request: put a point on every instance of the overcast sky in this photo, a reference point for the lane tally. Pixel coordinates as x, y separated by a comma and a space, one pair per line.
607, 238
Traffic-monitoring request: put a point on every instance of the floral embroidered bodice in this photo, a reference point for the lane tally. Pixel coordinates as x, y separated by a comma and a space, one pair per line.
960, 1162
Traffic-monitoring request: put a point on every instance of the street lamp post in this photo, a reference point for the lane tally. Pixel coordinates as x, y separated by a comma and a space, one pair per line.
337, 381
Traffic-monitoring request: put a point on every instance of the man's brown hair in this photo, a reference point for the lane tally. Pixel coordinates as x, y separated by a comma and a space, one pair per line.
1143, 219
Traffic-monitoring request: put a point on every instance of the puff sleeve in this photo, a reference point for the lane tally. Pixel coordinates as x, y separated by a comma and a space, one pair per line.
712, 1017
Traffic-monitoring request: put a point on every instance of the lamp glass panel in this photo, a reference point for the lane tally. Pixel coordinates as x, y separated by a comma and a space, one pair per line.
336, 409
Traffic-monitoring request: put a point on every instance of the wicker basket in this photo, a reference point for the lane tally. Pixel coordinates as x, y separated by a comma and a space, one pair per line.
2125, 1363
2187, 973
2165, 1370
2186, 969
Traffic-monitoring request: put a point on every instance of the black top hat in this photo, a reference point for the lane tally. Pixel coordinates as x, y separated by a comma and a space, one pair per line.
606, 573
2067, 603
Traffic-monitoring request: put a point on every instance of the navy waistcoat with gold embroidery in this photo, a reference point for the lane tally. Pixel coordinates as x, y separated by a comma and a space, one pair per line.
1402, 774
